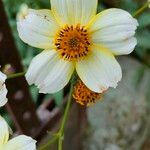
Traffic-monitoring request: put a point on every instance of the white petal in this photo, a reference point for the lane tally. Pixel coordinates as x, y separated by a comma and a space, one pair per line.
99, 70
114, 29
21, 142
55, 75
23, 11
2, 77
38, 28
122, 47
52, 73
4, 132
74, 11
3, 90
3, 94
112, 17
38, 63
114, 33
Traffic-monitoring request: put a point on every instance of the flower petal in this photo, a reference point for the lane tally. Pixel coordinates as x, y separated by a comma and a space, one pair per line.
3, 94
37, 64
122, 47
115, 30
4, 132
55, 75
2, 78
38, 28
49, 72
74, 11
3, 90
21, 142
99, 70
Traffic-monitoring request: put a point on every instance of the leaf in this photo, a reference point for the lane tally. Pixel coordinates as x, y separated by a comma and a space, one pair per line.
58, 97
144, 20
143, 38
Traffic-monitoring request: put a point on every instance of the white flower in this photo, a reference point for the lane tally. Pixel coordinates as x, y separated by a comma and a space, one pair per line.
74, 37
3, 90
21, 142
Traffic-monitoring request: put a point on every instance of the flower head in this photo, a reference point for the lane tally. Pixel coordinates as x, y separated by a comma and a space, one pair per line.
21, 142
3, 90
74, 37
85, 96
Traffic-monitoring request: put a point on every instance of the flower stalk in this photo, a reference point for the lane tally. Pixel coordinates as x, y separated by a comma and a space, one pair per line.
60, 135
61, 131
141, 10
16, 75
50, 142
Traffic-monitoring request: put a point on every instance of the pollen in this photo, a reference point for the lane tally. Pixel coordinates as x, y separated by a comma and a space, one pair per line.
73, 42
85, 96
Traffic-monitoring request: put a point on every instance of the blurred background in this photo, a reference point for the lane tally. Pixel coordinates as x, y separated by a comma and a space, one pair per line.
121, 120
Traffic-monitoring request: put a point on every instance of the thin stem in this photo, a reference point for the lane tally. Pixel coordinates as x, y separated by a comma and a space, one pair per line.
67, 109
61, 131
60, 143
16, 75
60, 135
141, 10
54, 139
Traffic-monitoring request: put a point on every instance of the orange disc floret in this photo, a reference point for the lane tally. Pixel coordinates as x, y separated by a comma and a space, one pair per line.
72, 42
84, 96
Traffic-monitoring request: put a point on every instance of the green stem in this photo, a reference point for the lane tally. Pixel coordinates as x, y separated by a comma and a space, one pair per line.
61, 131
60, 143
60, 135
16, 75
67, 109
45, 146
141, 10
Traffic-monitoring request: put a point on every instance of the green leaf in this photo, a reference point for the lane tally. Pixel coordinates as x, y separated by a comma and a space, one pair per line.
58, 97
144, 20
143, 38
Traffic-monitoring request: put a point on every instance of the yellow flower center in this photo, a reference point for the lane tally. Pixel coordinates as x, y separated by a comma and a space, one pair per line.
85, 96
72, 42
